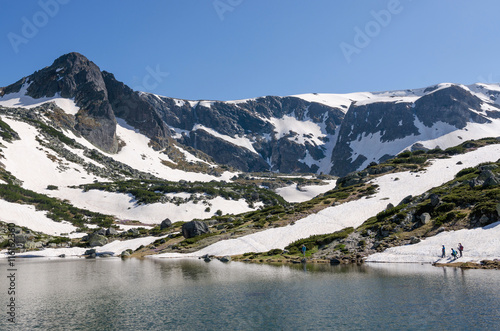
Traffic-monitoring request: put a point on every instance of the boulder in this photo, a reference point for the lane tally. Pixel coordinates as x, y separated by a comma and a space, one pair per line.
334, 261
225, 259
434, 200
111, 232
194, 228
484, 220
407, 199
97, 240
414, 240
425, 218
125, 254
30, 245
490, 182
90, 253
166, 223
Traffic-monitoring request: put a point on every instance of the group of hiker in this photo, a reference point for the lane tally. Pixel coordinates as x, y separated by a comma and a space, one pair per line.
454, 253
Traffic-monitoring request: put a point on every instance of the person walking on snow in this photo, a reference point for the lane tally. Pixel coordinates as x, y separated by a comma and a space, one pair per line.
460, 248
443, 252
454, 254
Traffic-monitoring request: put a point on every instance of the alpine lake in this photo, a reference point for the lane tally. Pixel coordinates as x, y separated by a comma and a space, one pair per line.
190, 294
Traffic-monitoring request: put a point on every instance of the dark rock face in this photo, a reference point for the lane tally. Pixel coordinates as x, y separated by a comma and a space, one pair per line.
224, 152
74, 76
138, 113
99, 96
250, 119
194, 228
449, 105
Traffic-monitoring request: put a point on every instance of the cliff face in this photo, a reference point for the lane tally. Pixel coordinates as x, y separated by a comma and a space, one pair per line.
275, 127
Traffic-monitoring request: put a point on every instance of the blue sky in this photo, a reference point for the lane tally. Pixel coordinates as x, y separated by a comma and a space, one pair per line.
233, 49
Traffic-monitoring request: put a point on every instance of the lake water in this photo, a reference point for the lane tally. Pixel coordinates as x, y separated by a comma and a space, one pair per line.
111, 294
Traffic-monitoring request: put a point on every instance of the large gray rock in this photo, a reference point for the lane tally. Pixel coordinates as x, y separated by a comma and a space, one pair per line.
194, 228
414, 240
97, 240
434, 200
166, 223
111, 232
225, 259
425, 218
90, 253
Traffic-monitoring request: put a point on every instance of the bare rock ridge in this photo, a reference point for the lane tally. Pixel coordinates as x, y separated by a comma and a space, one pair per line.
282, 134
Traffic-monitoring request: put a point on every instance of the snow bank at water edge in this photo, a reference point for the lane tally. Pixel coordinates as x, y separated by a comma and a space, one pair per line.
115, 247
479, 244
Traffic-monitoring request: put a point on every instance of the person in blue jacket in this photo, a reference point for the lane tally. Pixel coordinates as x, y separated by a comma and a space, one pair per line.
304, 250
443, 252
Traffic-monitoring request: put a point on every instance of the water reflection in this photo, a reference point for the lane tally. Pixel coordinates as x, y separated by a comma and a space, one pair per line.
161, 294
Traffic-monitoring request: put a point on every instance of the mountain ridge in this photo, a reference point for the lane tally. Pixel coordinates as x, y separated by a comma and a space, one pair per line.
308, 133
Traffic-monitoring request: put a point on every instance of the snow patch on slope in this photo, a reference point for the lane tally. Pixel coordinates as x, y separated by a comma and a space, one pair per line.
28, 161
307, 131
125, 207
28, 216
292, 194
20, 99
137, 154
238, 141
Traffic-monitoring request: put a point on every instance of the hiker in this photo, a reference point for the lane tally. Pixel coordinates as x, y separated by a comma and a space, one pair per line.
444, 253
454, 254
304, 250
460, 248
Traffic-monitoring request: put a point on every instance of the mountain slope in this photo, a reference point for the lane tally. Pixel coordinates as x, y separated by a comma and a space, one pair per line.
392, 189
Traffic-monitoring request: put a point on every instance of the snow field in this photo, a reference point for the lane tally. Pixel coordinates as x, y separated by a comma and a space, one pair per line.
124, 206
291, 194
